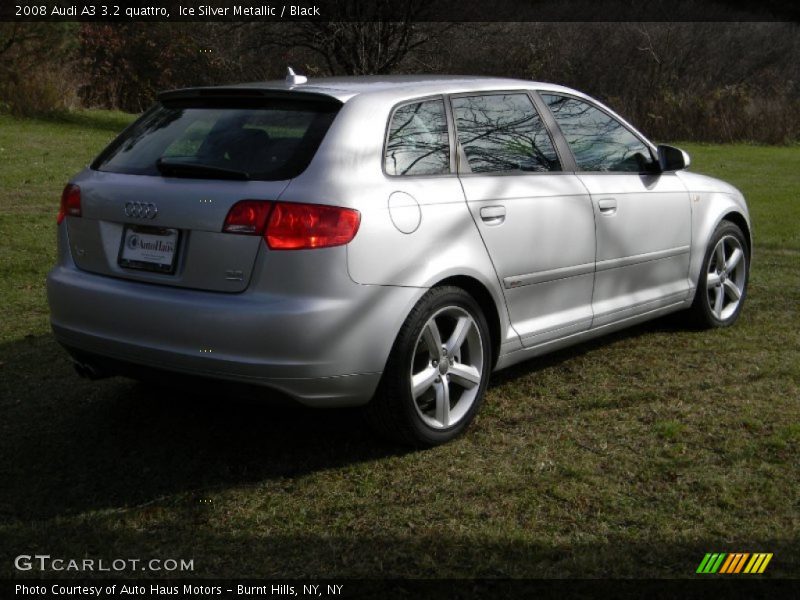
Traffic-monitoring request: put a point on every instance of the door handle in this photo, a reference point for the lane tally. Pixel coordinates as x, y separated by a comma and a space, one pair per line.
493, 215
608, 206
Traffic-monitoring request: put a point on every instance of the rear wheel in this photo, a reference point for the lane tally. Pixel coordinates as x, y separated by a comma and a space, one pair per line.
437, 372
722, 286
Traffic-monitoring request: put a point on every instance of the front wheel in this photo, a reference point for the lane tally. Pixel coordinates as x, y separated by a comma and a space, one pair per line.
722, 285
437, 372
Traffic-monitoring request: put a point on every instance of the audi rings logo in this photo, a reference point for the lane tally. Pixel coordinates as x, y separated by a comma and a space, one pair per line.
141, 210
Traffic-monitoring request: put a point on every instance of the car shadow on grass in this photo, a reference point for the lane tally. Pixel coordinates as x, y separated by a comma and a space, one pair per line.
69, 445
671, 323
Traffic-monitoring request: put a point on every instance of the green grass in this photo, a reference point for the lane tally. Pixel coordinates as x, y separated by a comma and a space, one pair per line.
770, 179
632, 455
37, 158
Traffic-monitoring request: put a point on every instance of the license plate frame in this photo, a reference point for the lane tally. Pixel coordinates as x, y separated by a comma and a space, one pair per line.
154, 257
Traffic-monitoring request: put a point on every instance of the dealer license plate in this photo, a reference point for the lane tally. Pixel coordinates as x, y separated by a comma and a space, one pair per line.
149, 248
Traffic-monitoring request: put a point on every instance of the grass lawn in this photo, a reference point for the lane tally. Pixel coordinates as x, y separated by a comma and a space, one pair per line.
633, 455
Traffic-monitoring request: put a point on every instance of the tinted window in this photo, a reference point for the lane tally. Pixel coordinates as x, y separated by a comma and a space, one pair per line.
276, 141
503, 132
598, 141
418, 143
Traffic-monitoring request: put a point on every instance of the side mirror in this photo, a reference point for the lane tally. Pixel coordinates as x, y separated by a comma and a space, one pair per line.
672, 159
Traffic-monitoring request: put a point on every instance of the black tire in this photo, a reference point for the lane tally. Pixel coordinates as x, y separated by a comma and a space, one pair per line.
702, 312
394, 412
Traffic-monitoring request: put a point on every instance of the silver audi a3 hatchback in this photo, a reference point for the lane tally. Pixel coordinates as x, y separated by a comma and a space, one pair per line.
383, 241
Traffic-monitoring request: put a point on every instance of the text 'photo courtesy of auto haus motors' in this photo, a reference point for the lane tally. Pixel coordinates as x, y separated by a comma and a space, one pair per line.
385, 242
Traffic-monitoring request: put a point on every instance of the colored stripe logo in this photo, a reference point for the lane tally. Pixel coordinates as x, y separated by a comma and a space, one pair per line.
734, 563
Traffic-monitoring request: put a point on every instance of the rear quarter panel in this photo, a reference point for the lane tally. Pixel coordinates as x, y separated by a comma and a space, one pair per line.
415, 231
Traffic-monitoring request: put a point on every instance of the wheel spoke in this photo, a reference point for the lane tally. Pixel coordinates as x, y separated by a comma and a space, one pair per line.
443, 402
466, 376
422, 381
463, 325
720, 253
733, 260
436, 366
731, 290
433, 339
718, 301
726, 277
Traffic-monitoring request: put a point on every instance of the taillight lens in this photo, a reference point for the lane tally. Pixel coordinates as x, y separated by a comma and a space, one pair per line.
70, 202
247, 217
293, 226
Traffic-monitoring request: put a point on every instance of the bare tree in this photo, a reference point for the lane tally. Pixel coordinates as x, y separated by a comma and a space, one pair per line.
37, 67
358, 48
360, 38
24, 46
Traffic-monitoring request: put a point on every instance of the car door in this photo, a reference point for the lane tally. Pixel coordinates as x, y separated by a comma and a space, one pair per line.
535, 219
642, 216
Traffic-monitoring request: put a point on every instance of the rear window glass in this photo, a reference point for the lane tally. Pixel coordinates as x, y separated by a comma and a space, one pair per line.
271, 142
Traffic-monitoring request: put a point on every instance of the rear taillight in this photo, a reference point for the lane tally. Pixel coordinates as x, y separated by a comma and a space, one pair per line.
70, 202
293, 226
248, 217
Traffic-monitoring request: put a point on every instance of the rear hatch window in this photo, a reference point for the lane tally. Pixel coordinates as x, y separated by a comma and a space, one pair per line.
267, 140
155, 201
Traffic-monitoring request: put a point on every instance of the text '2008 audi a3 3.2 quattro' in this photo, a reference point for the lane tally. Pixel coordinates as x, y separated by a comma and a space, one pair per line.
383, 241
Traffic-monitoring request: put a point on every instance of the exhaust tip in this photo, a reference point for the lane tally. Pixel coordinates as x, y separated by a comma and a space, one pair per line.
88, 371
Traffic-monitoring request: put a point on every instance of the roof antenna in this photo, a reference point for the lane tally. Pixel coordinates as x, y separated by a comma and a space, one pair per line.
293, 79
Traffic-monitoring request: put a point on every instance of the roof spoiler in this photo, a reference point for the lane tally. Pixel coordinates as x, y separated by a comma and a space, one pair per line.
242, 93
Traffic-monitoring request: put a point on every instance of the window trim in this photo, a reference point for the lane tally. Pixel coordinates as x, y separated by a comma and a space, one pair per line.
520, 92
568, 163
450, 137
112, 146
609, 113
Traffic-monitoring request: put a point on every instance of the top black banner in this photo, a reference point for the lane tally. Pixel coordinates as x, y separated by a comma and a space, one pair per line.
127, 11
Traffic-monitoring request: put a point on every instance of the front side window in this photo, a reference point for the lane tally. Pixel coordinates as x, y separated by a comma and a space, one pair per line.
503, 133
598, 141
418, 142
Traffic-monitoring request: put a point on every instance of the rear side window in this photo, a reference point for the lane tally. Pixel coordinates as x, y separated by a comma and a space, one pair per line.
418, 143
598, 141
272, 141
502, 133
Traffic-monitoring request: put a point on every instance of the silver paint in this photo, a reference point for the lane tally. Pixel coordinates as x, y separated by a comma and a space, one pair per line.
562, 257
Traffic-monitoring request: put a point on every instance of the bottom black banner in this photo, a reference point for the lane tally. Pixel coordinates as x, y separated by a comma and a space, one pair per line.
452, 589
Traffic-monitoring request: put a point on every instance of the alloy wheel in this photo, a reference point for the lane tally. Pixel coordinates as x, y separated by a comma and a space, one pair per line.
447, 367
725, 277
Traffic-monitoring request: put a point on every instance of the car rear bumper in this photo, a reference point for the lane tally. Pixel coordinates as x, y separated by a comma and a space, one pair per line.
320, 351
110, 358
